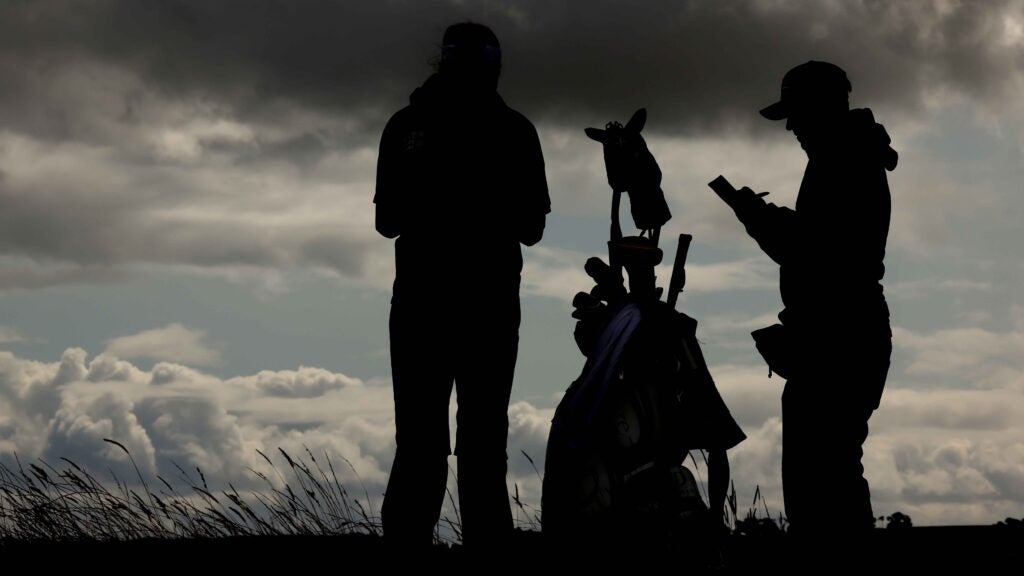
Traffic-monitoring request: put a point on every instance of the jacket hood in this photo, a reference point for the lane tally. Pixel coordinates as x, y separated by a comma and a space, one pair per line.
437, 94
873, 135
428, 94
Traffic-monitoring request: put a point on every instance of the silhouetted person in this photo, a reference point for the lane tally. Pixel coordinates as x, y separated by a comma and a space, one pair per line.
835, 340
460, 183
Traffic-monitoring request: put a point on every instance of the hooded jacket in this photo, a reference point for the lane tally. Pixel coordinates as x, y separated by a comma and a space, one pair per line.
462, 171
831, 248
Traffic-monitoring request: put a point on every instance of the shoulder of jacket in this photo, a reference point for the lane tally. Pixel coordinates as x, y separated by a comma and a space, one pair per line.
518, 120
401, 124
404, 116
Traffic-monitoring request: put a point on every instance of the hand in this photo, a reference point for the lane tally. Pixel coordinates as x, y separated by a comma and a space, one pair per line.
745, 200
741, 201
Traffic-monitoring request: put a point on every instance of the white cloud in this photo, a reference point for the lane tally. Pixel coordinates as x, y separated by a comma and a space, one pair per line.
302, 383
528, 433
757, 464
966, 411
176, 414
947, 480
186, 143
173, 413
555, 273
173, 343
949, 454
973, 357
81, 424
746, 274
942, 456
752, 397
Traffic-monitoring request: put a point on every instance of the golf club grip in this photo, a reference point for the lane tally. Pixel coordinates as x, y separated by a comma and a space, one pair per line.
678, 281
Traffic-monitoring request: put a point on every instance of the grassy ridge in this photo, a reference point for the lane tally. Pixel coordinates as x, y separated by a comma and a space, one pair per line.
41, 503
304, 511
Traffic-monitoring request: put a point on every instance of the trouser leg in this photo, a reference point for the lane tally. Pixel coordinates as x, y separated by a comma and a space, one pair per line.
846, 472
825, 415
422, 383
484, 384
798, 457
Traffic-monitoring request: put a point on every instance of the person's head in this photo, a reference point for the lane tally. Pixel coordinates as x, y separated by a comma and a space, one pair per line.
815, 97
470, 57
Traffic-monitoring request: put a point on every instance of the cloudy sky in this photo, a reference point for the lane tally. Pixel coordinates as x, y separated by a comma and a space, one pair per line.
188, 262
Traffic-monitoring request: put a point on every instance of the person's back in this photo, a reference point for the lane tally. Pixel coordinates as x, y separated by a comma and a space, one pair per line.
460, 183
473, 171
842, 221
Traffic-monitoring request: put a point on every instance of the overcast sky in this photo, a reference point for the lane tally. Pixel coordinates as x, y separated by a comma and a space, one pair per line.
188, 262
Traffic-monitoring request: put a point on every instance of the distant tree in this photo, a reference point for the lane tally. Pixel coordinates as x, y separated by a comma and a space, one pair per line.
898, 521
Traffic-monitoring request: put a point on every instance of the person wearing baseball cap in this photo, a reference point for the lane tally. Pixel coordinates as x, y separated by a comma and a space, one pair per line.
834, 342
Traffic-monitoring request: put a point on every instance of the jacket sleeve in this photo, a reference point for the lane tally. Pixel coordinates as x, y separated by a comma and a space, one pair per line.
391, 192
535, 201
774, 228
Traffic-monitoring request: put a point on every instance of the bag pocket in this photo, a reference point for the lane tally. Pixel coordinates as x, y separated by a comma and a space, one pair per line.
773, 343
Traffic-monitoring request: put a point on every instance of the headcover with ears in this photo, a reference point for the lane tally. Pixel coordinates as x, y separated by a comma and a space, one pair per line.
632, 168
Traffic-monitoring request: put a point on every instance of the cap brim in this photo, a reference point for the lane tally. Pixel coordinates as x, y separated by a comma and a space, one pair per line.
777, 111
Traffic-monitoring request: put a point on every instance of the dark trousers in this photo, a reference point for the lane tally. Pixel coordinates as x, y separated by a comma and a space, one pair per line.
826, 405
474, 346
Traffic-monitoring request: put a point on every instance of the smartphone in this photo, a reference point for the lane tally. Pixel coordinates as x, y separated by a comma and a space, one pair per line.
723, 188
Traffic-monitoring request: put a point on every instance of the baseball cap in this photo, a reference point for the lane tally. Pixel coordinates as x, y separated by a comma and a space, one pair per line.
812, 82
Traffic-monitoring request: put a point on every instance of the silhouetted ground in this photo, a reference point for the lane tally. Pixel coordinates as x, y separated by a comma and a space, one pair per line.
978, 549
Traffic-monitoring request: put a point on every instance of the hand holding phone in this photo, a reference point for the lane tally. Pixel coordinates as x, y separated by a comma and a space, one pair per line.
739, 200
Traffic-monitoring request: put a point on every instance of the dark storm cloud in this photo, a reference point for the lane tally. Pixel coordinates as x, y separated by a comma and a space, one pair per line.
698, 65
100, 231
231, 133
247, 56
